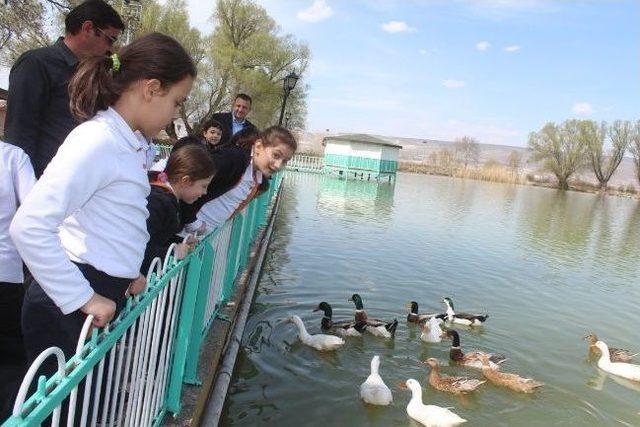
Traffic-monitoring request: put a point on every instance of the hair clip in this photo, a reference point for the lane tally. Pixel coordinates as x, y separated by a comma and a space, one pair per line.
115, 63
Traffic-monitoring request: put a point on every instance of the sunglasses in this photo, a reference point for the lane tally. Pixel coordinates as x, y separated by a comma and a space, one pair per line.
110, 39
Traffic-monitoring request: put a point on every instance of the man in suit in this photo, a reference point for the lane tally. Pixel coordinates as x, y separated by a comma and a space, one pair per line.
236, 120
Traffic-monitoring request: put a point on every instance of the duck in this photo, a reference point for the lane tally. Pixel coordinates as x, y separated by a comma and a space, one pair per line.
511, 381
449, 384
374, 391
347, 328
377, 327
431, 330
320, 342
624, 370
471, 359
414, 317
615, 354
465, 319
429, 415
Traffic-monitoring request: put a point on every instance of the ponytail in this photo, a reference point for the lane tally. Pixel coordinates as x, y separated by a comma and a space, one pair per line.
100, 81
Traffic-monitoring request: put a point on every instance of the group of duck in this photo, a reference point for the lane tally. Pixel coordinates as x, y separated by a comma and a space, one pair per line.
435, 327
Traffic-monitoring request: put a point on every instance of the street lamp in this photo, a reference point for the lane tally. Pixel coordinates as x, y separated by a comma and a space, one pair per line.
289, 83
287, 117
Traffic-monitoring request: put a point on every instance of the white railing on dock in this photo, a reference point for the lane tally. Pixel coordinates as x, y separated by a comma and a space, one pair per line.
305, 163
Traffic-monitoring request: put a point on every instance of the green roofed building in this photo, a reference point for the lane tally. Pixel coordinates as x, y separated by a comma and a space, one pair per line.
360, 155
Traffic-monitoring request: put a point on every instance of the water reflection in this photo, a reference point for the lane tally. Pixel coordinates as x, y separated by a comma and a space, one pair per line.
355, 199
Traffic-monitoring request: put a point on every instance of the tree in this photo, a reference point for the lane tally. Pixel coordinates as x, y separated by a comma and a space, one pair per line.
593, 136
560, 150
634, 147
467, 150
22, 27
513, 161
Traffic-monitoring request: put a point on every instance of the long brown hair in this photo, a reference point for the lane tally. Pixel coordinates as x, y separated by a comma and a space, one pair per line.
100, 81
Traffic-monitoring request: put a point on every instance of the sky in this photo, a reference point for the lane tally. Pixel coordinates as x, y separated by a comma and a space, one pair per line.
495, 70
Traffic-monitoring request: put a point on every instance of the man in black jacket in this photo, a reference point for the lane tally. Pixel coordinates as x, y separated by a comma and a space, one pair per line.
236, 120
38, 116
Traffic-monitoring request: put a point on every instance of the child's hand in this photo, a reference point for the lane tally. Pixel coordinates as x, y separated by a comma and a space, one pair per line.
192, 242
202, 230
103, 310
137, 286
182, 250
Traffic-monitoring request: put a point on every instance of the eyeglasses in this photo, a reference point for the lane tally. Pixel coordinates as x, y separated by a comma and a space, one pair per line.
110, 39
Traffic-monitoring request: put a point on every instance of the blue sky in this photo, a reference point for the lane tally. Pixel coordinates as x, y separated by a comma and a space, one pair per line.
492, 69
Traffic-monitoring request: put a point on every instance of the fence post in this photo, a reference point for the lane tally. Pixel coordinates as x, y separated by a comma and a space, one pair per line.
185, 322
202, 297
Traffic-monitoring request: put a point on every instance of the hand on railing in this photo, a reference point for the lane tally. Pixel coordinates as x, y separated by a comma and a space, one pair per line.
137, 286
183, 249
102, 308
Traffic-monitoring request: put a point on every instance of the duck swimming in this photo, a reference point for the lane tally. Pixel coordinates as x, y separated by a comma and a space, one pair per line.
320, 342
377, 327
615, 354
374, 391
471, 359
414, 317
431, 330
624, 370
465, 319
346, 328
448, 384
429, 415
511, 381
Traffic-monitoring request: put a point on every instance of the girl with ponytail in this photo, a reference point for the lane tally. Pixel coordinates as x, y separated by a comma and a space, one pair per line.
82, 229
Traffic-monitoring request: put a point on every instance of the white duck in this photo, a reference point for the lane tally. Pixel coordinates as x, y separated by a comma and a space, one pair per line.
429, 415
431, 330
320, 342
374, 391
624, 370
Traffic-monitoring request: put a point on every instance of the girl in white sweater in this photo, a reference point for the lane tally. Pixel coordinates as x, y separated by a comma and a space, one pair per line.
82, 229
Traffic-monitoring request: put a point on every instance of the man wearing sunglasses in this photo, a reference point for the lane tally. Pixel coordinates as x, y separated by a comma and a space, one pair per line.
38, 117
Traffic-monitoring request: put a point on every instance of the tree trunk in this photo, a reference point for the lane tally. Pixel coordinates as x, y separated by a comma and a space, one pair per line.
171, 131
563, 183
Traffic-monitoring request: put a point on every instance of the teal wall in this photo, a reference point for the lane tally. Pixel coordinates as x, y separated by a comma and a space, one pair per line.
359, 163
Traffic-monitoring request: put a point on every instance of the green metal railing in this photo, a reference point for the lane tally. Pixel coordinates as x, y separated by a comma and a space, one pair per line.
131, 372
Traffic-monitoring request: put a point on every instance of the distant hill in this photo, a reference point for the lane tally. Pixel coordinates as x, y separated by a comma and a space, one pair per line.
418, 150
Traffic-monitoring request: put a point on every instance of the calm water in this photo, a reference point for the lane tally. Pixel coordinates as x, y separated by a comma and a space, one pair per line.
548, 267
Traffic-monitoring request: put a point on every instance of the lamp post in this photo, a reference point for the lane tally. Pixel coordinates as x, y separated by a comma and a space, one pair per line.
289, 83
287, 117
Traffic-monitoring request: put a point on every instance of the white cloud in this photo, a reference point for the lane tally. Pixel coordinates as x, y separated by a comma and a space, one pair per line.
582, 108
513, 48
318, 11
396, 27
453, 84
482, 46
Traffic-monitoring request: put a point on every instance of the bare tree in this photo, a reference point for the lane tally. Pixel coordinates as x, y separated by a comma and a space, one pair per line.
560, 150
467, 150
514, 161
593, 136
634, 147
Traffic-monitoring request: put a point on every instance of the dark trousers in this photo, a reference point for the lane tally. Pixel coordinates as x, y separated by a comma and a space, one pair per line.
44, 325
13, 361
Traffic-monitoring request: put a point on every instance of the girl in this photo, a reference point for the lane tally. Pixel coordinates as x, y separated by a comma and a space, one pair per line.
243, 168
82, 229
187, 175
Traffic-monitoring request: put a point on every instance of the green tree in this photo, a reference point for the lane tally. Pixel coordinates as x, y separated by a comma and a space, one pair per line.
559, 149
593, 136
467, 150
22, 27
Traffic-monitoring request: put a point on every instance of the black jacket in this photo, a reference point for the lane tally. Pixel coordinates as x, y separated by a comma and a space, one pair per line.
162, 225
231, 162
38, 115
226, 120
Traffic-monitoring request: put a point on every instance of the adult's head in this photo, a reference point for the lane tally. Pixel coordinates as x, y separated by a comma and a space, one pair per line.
92, 28
148, 81
241, 106
212, 132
